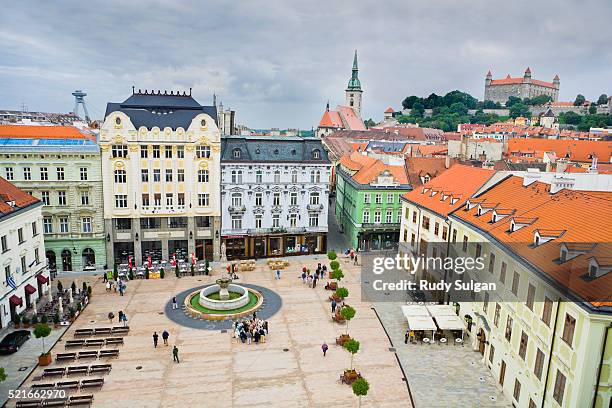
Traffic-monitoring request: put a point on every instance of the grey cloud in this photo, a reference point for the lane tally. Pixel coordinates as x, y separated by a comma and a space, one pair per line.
278, 62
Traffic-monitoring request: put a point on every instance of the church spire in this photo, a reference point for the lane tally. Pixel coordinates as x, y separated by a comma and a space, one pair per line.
354, 83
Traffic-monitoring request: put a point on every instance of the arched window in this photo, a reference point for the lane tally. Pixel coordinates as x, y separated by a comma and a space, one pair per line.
316, 154
89, 257
237, 153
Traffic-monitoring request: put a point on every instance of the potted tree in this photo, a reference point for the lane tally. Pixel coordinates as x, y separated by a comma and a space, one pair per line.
347, 312
34, 320
162, 273
2, 374
341, 294
56, 320
334, 265
89, 292
17, 320
352, 346
192, 270
41, 331
336, 274
206, 266
147, 272
331, 255
72, 314
115, 273
25, 321
360, 388
44, 319
84, 287
79, 307
131, 274
73, 287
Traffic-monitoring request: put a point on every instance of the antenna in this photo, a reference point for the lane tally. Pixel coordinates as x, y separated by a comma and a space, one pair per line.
79, 99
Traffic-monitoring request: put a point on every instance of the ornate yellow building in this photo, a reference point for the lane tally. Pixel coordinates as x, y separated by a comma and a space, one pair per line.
160, 166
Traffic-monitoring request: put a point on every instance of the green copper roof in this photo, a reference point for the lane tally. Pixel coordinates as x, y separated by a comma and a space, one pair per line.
354, 84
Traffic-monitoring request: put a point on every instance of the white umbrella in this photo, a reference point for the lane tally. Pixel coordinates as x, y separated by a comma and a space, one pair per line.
70, 299
34, 307
49, 295
60, 308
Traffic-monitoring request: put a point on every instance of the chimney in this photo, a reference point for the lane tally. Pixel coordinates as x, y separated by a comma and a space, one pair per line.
561, 165
593, 166
447, 161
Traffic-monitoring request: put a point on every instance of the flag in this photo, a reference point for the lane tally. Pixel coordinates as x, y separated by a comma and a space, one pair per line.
130, 261
149, 261
11, 282
173, 261
193, 258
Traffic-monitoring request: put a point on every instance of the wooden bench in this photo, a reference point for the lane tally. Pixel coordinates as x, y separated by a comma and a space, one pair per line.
43, 386
80, 400
102, 331
120, 330
54, 402
67, 385
65, 357
92, 383
29, 403
82, 370
74, 343
87, 354
109, 353
94, 343
100, 368
83, 332
53, 372
114, 341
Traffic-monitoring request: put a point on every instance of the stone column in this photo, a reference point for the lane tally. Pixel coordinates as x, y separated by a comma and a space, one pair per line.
216, 229
110, 253
137, 243
191, 229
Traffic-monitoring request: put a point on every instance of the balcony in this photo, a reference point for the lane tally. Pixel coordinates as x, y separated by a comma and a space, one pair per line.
236, 208
315, 207
157, 209
319, 228
381, 226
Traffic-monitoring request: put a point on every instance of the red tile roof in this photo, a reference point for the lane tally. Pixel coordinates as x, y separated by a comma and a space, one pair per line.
331, 119
351, 119
578, 150
456, 184
389, 110
42, 132
418, 167
367, 169
10, 193
509, 81
571, 216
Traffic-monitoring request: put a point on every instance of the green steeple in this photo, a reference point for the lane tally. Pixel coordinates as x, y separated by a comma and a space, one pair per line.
354, 84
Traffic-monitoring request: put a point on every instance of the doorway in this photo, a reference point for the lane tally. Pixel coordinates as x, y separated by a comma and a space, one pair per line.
482, 339
89, 257
51, 261
66, 260
502, 373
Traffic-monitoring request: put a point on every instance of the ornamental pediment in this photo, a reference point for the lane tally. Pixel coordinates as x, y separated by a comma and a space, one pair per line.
259, 189
276, 209
259, 210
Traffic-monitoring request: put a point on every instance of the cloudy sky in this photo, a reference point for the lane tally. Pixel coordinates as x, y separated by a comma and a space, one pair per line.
277, 62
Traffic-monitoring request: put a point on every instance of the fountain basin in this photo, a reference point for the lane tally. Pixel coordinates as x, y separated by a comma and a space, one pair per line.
196, 309
227, 304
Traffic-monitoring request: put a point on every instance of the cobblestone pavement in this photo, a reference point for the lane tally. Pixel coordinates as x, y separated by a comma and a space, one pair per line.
438, 375
217, 371
336, 240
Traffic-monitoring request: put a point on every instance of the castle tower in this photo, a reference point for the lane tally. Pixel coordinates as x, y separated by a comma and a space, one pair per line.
354, 93
527, 76
556, 81
489, 78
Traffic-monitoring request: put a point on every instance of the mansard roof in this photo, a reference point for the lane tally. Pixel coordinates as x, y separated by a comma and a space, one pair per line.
272, 149
157, 109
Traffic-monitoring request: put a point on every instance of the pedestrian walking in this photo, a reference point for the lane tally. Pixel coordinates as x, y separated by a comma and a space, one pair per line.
121, 289
314, 281
406, 336
124, 319
333, 306
155, 339
165, 336
278, 274
324, 347
120, 316
304, 276
108, 286
175, 354
111, 316
356, 263
174, 304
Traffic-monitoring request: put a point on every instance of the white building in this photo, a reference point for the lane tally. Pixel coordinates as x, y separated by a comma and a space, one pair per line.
22, 252
275, 196
160, 166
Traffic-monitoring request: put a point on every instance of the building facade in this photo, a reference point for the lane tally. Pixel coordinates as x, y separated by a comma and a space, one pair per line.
274, 196
368, 206
62, 167
160, 161
499, 90
24, 270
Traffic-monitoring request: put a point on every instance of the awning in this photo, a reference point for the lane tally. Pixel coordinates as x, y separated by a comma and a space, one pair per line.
29, 289
441, 310
421, 323
42, 278
450, 322
414, 310
15, 300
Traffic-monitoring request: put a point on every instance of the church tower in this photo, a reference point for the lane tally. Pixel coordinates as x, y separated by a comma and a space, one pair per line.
354, 93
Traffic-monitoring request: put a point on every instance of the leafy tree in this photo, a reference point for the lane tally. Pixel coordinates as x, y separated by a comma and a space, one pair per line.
360, 388
418, 109
334, 265
433, 101
459, 108
593, 109
512, 100
411, 100
458, 96
405, 119
2, 374
352, 346
570, 118
331, 255
602, 100
348, 313
342, 292
488, 105
538, 100
130, 274
337, 274
41, 331
580, 99
369, 123
519, 109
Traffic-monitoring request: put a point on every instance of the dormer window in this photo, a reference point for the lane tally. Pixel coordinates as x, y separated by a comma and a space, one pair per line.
316, 154
203, 122
425, 190
563, 256
599, 267
117, 121
236, 153
542, 236
275, 151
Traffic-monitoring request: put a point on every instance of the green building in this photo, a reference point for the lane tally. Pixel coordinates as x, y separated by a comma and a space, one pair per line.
368, 206
61, 166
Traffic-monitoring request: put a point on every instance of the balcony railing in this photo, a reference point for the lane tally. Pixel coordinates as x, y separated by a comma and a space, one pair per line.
379, 225
315, 207
236, 208
158, 209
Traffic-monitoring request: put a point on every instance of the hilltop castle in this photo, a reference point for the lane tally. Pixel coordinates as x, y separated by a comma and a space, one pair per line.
498, 90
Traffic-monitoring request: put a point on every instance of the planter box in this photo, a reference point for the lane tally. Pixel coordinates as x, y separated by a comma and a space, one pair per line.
342, 339
45, 359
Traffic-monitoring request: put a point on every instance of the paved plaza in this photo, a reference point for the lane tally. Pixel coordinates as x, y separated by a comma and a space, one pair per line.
217, 371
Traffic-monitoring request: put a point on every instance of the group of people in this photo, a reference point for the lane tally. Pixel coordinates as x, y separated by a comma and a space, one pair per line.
118, 286
122, 317
312, 278
165, 337
253, 330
